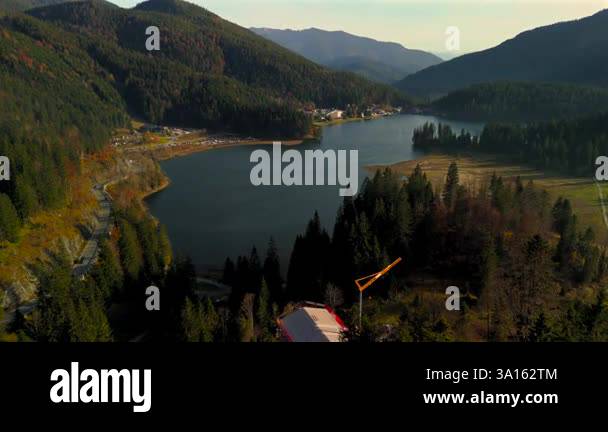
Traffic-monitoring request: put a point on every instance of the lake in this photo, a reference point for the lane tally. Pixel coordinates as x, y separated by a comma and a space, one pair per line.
212, 210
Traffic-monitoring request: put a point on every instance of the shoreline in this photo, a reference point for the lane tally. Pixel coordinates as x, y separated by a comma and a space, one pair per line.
169, 153
164, 154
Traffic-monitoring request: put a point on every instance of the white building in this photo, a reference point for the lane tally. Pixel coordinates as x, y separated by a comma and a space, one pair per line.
312, 323
335, 115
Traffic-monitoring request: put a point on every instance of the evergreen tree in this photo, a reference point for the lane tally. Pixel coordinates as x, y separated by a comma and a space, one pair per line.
9, 220
130, 252
264, 313
272, 273
26, 200
451, 185
190, 322
246, 319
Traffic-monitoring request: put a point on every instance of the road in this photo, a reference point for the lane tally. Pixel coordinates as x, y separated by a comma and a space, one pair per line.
103, 220
88, 256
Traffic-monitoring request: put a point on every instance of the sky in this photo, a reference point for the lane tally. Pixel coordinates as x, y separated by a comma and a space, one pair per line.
419, 24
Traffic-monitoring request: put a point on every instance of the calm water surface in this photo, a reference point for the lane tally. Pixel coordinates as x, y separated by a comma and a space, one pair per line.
212, 211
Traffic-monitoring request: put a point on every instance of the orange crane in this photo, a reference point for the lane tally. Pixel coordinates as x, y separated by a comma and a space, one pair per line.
369, 281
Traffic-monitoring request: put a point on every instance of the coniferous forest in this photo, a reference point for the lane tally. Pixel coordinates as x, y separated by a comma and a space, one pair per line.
570, 146
523, 101
520, 259
72, 73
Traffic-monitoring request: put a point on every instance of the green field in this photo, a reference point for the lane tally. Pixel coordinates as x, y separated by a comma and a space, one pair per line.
476, 171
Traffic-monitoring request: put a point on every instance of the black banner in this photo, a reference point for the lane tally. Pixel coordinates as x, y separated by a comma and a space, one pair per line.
303, 379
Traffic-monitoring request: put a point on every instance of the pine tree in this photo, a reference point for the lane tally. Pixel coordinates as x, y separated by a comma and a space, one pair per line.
190, 323
108, 274
272, 273
26, 200
264, 313
451, 185
165, 251
245, 319
130, 251
9, 220
211, 321
255, 272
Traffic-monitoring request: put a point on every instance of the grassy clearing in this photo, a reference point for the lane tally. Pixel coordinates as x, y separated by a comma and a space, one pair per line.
476, 170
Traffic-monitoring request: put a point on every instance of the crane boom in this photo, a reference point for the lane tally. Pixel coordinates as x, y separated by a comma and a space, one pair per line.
370, 280
374, 277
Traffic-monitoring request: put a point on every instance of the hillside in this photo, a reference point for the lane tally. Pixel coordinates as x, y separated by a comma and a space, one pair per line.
209, 72
523, 101
382, 61
56, 103
70, 73
569, 52
370, 69
23, 5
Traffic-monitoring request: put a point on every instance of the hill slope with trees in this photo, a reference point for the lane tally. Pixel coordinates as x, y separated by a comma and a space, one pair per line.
71, 72
568, 52
204, 58
56, 104
523, 101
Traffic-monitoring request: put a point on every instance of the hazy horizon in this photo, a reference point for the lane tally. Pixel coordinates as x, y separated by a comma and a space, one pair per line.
415, 24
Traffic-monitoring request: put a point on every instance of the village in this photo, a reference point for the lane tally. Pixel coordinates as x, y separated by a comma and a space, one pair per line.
351, 112
168, 139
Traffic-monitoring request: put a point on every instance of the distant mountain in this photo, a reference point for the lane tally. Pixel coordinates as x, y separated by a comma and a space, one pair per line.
569, 52
23, 5
370, 69
382, 61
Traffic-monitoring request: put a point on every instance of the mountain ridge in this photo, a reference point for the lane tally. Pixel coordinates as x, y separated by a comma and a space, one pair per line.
328, 46
568, 52
206, 61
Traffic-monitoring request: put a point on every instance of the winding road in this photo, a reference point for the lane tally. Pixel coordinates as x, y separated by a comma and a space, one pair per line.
88, 256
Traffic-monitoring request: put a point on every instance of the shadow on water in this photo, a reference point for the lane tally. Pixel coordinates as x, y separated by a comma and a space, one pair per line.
212, 210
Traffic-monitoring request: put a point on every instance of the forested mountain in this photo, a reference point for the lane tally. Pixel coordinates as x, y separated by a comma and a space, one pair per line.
56, 104
208, 70
523, 101
569, 52
69, 73
22, 5
367, 68
382, 61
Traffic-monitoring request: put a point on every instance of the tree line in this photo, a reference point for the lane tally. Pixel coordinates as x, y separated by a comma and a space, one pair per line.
520, 261
568, 146
512, 101
526, 269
